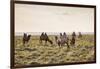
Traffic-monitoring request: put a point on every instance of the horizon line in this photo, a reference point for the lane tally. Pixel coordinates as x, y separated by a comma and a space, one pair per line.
50, 33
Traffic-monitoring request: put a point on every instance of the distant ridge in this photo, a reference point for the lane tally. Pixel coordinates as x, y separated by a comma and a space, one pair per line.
49, 33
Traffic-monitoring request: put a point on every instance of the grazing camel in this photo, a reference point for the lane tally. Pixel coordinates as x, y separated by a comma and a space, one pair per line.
62, 40
44, 37
26, 38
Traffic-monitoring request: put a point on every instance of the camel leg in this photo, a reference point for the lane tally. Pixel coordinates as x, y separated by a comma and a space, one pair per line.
40, 41
67, 44
23, 43
59, 44
46, 42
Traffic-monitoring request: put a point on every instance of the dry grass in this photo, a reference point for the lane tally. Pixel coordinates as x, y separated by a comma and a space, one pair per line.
36, 53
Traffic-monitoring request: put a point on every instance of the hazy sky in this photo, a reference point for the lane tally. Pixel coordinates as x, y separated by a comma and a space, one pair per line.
41, 18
